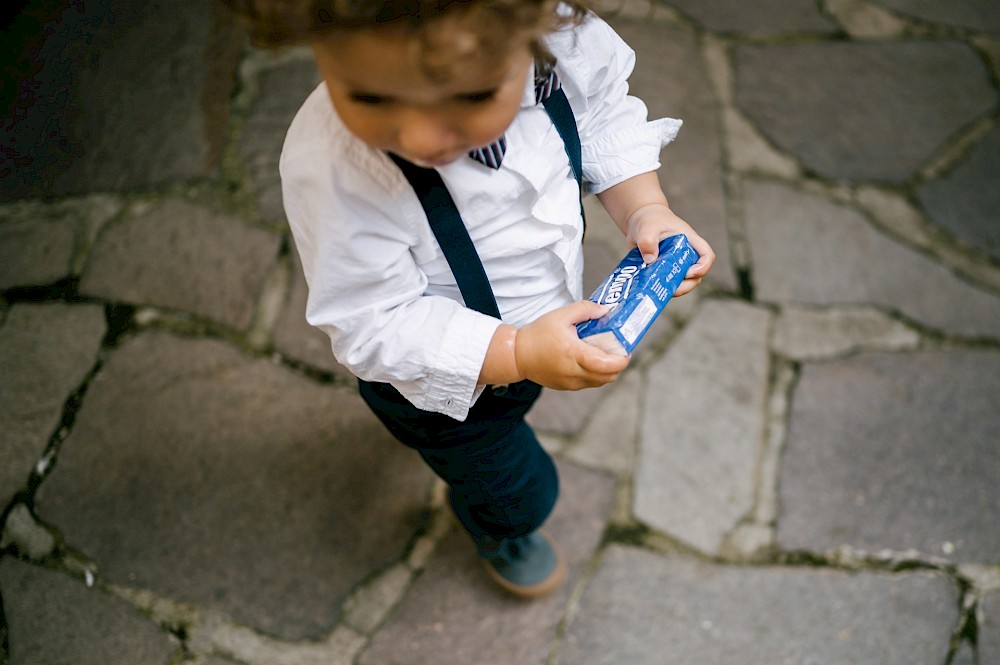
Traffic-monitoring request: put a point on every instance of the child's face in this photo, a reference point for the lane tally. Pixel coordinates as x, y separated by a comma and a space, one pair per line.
385, 98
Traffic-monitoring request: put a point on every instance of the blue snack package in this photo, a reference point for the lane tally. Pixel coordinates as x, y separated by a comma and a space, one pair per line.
639, 292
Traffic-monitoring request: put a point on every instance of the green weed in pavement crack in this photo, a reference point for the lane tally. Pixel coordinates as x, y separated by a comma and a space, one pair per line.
745, 279
626, 534
119, 320
49, 459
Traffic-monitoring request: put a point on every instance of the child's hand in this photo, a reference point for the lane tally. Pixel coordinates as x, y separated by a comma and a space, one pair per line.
650, 224
549, 352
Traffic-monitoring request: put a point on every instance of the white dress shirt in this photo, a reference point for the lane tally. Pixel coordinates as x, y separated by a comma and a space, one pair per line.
379, 284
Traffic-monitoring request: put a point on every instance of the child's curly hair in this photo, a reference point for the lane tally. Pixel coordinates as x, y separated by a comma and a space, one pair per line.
448, 30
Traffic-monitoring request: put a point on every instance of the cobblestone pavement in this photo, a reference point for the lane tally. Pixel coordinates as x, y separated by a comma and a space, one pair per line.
800, 467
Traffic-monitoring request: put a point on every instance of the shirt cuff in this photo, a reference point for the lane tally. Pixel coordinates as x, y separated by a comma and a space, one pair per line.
451, 388
617, 157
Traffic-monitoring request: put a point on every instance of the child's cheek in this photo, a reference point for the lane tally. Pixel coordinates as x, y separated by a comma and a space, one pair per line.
371, 128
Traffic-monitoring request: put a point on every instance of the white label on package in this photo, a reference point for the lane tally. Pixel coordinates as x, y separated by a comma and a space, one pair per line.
639, 320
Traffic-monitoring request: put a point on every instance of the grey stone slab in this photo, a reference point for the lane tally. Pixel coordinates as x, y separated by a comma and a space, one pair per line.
282, 89
233, 484
609, 439
46, 352
965, 654
118, 95
861, 19
455, 615
35, 253
810, 334
989, 629
966, 201
895, 451
702, 425
29, 539
369, 605
980, 15
906, 100
806, 249
767, 17
182, 256
53, 619
900, 218
671, 78
748, 151
40, 243
641, 607
245, 646
294, 337
565, 411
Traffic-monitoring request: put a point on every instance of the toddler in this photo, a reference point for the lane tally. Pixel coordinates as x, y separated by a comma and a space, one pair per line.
432, 183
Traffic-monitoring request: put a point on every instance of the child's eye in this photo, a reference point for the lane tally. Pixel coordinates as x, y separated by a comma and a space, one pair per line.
371, 100
478, 97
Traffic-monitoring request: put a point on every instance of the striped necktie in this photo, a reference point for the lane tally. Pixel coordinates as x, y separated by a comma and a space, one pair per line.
492, 154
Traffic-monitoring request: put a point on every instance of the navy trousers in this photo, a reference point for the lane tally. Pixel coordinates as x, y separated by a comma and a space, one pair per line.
502, 482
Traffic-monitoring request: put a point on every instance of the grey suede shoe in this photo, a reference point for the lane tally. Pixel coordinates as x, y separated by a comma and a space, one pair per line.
528, 566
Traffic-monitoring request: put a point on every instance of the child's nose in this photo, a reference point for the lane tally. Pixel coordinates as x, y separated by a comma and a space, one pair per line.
424, 134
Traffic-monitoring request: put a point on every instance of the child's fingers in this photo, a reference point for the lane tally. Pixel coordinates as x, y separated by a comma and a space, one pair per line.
687, 286
648, 243
585, 310
600, 363
706, 257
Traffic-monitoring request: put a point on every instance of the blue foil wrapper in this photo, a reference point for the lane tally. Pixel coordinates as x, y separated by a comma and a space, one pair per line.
638, 292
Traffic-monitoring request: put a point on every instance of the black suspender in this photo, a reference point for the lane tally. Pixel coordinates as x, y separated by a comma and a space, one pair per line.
451, 234
558, 108
446, 222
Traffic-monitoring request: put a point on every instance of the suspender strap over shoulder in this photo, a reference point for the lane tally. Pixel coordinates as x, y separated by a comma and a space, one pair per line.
446, 222
451, 234
558, 108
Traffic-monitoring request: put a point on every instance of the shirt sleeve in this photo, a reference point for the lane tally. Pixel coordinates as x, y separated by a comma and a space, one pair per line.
617, 140
366, 291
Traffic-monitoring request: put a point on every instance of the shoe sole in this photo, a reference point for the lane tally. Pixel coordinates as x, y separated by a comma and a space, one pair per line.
543, 588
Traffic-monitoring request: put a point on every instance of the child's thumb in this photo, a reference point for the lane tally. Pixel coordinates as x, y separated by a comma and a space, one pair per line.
649, 247
585, 310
